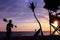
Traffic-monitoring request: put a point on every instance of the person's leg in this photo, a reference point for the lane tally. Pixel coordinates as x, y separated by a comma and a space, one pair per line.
9, 35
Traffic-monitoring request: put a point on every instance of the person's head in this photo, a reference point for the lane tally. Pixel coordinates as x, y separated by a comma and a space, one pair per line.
10, 21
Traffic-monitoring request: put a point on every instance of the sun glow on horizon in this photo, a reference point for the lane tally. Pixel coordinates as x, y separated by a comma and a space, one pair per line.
55, 23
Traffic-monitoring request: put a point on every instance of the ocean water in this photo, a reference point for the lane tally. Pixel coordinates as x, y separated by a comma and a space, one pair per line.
27, 33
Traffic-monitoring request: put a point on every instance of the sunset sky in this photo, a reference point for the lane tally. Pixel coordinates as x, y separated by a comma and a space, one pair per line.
22, 16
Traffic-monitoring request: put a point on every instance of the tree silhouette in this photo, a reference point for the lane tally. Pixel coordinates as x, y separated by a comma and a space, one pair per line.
32, 7
52, 5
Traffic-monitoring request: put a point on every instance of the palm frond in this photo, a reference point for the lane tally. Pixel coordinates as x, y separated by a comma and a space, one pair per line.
32, 6
52, 4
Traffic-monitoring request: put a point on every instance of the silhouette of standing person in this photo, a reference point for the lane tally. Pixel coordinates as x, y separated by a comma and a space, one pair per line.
8, 29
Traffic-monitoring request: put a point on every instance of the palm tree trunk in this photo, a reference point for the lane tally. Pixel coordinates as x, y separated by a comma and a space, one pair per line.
38, 23
49, 20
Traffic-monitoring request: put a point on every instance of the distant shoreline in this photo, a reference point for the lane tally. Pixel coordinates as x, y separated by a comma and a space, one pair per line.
23, 33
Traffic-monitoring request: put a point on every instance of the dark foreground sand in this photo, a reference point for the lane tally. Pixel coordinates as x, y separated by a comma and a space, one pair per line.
55, 37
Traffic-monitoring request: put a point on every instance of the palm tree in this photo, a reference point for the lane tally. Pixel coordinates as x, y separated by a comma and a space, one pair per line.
32, 7
51, 5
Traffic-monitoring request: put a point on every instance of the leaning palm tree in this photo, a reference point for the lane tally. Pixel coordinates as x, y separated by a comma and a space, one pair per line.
32, 7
